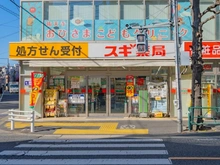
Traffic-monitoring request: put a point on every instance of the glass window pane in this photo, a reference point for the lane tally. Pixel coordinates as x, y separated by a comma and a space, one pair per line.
55, 17
209, 27
76, 88
132, 10
157, 10
133, 14
218, 24
106, 20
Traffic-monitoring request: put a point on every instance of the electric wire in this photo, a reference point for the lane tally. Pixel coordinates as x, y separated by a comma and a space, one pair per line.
51, 29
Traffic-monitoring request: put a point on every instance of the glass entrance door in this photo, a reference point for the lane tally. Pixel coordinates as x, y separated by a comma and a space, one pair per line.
97, 88
118, 95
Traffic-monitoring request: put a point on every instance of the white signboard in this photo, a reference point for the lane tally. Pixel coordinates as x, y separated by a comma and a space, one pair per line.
157, 50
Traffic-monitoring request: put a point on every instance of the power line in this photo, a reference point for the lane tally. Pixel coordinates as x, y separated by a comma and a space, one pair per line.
9, 11
9, 35
8, 22
50, 29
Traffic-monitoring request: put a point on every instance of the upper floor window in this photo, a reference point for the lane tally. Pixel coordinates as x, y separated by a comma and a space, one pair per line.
55, 19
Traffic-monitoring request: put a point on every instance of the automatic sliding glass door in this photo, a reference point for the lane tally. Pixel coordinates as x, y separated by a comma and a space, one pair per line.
118, 95
97, 89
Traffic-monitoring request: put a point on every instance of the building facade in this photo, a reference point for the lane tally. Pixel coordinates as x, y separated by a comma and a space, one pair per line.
89, 59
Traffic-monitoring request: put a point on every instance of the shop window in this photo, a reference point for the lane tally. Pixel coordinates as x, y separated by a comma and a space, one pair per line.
185, 19
132, 13
208, 79
217, 24
76, 89
219, 67
81, 21
55, 17
208, 67
218, 81
209, 30
157, 10
106, 20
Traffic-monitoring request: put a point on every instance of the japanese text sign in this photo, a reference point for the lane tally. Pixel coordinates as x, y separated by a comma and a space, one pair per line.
37, 79
211, 50
48, 50
129, 90
156, 50
129, 80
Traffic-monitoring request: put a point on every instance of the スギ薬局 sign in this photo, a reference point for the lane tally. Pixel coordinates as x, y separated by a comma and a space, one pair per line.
211, 50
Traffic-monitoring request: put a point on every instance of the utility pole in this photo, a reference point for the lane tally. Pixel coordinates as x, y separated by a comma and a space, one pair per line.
178, 101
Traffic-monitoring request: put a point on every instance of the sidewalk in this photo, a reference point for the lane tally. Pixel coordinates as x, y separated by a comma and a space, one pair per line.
111, 126
101, 118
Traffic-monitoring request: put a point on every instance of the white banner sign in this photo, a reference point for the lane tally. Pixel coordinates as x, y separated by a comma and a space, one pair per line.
156, 50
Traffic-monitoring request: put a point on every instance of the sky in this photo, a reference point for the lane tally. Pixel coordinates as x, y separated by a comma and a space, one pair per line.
9, 29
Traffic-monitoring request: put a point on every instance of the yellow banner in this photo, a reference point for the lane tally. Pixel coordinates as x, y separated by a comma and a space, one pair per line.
130, 90
48, 50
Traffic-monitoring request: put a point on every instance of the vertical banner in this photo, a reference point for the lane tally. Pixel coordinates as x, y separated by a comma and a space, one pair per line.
129, 85
37, 79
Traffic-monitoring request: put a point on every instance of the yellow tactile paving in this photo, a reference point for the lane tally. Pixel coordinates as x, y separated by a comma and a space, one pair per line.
104, 128
98, 132
111, 126
48, 124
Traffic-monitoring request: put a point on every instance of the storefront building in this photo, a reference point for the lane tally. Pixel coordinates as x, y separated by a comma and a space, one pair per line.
89, 58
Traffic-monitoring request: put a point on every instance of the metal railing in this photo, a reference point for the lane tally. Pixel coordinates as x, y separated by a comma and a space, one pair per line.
211, 114
25, 116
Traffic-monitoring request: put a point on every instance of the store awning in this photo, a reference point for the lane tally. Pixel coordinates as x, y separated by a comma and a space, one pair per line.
99, 63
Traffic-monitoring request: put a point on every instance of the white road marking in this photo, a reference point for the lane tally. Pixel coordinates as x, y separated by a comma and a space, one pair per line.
88, 152
88, 145
95, 140
46, 152
83, 161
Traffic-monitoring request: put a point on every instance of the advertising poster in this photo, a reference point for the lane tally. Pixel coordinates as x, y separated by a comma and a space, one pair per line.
31, 27
162, 33
57, 30
106, 30
37, 79
81, 29
185, 18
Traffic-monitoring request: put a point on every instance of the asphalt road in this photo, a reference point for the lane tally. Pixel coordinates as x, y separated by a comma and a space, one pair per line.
8, 101
199, 149
160, 146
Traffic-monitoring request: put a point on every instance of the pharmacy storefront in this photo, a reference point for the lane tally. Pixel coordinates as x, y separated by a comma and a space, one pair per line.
89, 79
